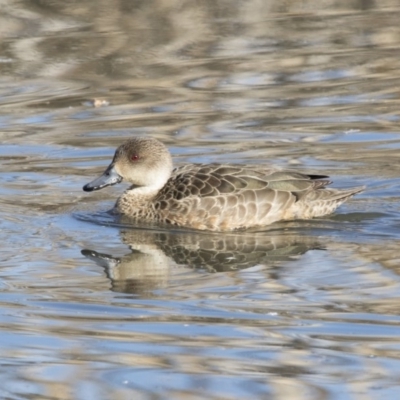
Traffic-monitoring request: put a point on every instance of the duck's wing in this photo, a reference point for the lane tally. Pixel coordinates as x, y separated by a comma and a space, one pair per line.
208, 180
225, 197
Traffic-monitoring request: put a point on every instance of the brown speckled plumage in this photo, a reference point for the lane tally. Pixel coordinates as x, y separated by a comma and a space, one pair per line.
213, 196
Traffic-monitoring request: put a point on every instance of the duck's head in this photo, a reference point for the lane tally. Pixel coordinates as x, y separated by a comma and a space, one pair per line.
142, 161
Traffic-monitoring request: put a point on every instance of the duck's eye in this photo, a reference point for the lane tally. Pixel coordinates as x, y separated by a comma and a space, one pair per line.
134, 157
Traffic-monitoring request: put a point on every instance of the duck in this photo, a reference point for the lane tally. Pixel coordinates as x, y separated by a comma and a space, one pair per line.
214, 197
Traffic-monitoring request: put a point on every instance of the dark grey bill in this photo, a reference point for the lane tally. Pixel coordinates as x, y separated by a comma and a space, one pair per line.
109, 177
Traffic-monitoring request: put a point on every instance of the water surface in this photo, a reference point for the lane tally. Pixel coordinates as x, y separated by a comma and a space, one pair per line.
91, 308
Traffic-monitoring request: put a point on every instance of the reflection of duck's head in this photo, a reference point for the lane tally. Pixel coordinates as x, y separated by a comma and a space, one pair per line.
143, 162
141, 271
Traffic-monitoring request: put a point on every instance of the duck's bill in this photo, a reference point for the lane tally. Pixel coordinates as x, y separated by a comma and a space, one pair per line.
109, 177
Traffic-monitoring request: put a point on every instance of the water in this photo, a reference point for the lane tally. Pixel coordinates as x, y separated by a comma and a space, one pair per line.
92, 308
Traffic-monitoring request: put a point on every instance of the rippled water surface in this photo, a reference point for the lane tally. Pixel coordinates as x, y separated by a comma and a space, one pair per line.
94, 308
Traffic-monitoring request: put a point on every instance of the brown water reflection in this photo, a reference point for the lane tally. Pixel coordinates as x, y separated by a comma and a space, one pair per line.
302, 310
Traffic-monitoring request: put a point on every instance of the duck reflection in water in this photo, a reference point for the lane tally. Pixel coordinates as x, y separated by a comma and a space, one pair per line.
153, 253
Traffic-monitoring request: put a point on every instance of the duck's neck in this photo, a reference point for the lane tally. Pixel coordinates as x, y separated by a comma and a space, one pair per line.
137, 200
143, 191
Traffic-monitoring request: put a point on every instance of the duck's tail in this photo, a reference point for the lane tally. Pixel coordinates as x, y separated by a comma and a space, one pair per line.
324, 201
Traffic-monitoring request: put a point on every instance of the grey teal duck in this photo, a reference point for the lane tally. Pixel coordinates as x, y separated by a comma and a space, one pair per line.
216, 197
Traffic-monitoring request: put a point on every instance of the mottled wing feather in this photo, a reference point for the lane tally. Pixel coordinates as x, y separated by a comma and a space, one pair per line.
209, 180
211, 196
